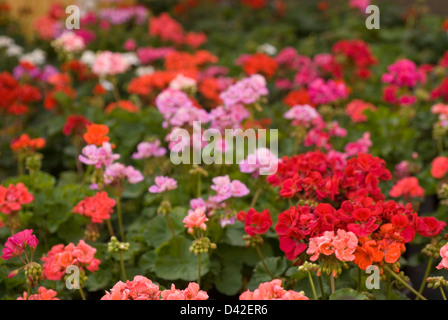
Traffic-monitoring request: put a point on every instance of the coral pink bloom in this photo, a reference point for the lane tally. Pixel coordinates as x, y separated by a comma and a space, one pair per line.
140, 288
407, 187
13, 197
192, 292
439, 167
444, 256
98, 207
345, 245
60, 257
355, 109
43, 294
195, 219
17, 244
163, 184
322, 244
272, 290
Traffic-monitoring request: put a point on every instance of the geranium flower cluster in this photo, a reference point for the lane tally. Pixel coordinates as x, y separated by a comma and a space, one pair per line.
315, 176
402, 76
98, 207
141, 288
246, 91
259, 63
342, 244
147, 150
255, 222
272, 290
16, 97
25, 144
69, 42
60, 257
382, 228
178, 110
261, 162
169, 30
14, 197
355, 54
98, 157
16, 245
323, 92
109, 63
43, 294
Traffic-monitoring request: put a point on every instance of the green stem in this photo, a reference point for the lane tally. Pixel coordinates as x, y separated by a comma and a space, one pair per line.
198, 195
170, 225
359, 280
123, 270
83, 297
78, 163
28, 292
260, 255
110, 228
120, 218
443, 293
321, 285
255, 198
20, 167
199, 269
428, 268
388, 287
332, 286
310, 278
393, 274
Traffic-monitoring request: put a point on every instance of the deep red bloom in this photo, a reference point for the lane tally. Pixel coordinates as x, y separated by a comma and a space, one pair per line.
257, 222
75, 125
429, 226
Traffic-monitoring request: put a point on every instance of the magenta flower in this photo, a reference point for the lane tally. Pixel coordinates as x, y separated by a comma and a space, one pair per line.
163, 184
17, 244
98, 156
149, 149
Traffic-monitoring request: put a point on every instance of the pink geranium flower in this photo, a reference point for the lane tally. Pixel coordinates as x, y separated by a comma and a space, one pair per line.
149, 149
444, 255
272, 290
17, 244
98, 156
117, 172
163, 184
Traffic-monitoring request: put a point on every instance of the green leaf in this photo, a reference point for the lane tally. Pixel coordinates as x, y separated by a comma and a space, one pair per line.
234, 235
98, 280
347, 294
229, 280
276, 266
176, 261
158, 231
148, 261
